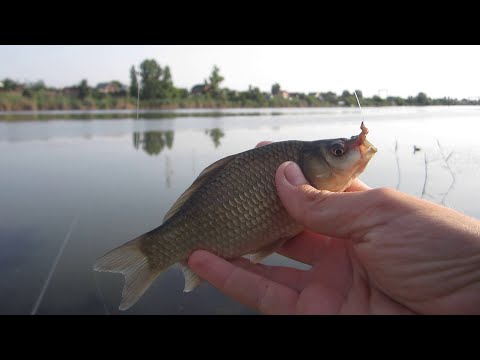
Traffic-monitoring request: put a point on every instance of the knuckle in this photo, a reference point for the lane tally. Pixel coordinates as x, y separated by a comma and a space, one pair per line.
385, 193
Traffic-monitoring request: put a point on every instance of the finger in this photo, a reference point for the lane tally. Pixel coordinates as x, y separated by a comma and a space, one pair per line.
263, 143
307, 247
340, 215
287, 276
248, 288
358, 185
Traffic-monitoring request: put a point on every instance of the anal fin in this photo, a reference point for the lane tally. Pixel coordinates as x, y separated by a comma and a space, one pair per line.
267, 250
192, 280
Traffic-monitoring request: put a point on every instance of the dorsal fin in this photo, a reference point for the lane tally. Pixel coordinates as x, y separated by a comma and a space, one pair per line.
201, 179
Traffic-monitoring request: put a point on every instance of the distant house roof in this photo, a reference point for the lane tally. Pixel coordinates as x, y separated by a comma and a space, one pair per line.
200, 88
110, 87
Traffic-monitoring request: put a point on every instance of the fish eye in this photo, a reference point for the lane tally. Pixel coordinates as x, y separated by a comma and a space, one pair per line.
338, 150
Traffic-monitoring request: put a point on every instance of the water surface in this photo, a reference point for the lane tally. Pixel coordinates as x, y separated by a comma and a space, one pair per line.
87, 183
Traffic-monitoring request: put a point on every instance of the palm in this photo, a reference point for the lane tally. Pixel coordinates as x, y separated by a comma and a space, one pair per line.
383, 273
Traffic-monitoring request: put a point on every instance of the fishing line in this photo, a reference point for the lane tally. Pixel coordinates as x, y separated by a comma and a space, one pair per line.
54, 266
360, 106
95, 281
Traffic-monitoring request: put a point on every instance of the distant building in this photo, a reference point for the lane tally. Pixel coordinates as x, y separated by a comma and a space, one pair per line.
316, 95
71, 91
111, 88
284, 94
1, 84
200, 89
296, 95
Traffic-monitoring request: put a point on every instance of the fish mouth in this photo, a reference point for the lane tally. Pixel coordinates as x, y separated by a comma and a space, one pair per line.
366, 149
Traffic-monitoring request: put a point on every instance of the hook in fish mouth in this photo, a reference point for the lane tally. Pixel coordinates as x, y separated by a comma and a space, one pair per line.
363, 135
362, 143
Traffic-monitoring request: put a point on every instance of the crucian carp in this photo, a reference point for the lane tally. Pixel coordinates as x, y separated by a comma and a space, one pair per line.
232, 209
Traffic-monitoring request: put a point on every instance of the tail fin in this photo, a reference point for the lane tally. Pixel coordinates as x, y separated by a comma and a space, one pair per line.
133, 264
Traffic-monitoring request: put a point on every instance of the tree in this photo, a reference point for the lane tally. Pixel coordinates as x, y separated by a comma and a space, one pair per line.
150, 71
215, 80
9, 84
167, 76
133, 82
377, 100
275, 89
27, 93
83, 89
422, 99
345, 94
359, 94
167, 90
255, 94
330, 97
38, 85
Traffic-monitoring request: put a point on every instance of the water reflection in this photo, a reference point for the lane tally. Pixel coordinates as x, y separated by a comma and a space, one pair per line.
153, 142
215, 134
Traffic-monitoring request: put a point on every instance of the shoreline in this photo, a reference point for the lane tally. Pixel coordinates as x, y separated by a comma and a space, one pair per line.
171, 113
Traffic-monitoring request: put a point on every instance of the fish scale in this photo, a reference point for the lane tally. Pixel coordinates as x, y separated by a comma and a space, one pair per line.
246, 192
232, 209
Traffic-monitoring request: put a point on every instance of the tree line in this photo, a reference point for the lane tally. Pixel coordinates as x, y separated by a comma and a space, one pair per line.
153, 85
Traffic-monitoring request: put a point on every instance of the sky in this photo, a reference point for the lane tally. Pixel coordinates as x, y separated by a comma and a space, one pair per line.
439, 71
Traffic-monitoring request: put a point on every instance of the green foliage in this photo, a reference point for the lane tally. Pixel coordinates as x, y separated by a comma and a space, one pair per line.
275, 89
422, 99
150, 71
27, 93
83, 89
359, 94
330, 97
214, 81
167, 90
9, 84
133, 82
159, 92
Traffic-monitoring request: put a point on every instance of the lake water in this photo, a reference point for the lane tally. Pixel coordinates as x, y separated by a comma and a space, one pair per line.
72, 189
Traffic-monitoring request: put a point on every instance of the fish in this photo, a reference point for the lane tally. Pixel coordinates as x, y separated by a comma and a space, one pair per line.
232, 209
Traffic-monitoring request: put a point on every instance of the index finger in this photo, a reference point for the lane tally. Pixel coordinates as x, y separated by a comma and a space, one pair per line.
248, 288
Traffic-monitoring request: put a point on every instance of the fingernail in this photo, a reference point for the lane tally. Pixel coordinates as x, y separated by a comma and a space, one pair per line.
294, 174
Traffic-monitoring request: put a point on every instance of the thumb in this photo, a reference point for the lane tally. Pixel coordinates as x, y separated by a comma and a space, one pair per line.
342, 215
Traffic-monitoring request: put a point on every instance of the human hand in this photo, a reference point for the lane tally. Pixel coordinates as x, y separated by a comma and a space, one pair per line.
380, 252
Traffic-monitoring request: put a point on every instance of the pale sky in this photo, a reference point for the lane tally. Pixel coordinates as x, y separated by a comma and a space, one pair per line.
439, 71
